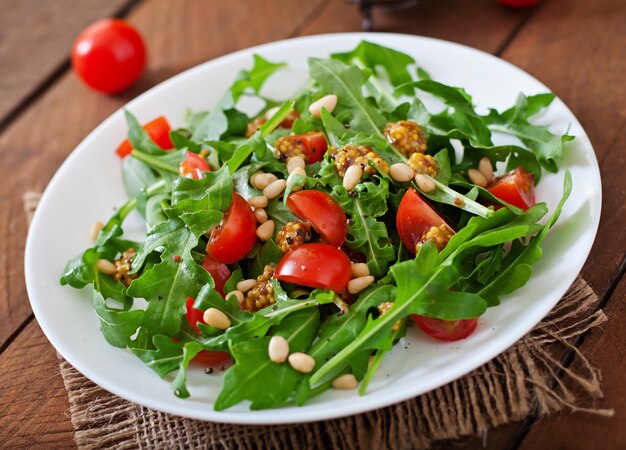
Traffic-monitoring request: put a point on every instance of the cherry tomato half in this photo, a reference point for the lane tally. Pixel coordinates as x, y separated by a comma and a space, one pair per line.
193, 166
204, 357
414, 217
109, 55
235, 236
322, 212
446, 330
158, 130
314, 144
516, 188
315, 265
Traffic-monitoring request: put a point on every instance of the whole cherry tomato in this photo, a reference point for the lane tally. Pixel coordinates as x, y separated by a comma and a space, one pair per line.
446, 330
516, 188
322, 212
109, 55
193, 166
316, 265
414, 217
235, 236
158, 130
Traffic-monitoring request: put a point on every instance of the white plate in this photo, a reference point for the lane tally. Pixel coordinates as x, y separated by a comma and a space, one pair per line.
88, 186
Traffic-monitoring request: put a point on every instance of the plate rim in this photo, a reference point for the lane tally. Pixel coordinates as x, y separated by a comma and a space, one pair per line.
338, 411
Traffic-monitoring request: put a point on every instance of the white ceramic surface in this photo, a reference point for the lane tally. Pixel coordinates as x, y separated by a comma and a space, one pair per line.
88, 186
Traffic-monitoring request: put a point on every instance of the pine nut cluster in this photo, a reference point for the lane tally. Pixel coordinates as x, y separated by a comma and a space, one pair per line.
352, 155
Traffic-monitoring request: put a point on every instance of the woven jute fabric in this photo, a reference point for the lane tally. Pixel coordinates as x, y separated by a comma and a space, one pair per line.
528, 378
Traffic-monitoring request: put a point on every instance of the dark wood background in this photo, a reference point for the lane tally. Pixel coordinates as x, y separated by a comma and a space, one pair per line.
576, 47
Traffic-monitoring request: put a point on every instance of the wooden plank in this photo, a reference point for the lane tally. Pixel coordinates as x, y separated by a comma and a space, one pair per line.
488, 29
576, 47
605, 348
178, 35
37, 37
33, 400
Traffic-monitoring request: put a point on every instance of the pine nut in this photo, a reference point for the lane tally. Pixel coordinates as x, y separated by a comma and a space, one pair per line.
261, 180
265, 230
106, 267
485, 167
360, 270
246, 285
213, 317
328, 101
94, 231
270, 112
424, 183
301, 362
298, 171
260, 215
259, 201
352, 177
477, 178
278, 349
295, 161
237, 294
356, 285
274, 189
401, 172
345, 381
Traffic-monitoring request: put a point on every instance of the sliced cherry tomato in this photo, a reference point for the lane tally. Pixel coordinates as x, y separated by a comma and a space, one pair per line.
235, 236
446, 330
193, 166
109, 55
519, 3
218, 271
414, 217
158, 130
314, 145
205, 357
288, 121
315, 265
516, 188
322, 212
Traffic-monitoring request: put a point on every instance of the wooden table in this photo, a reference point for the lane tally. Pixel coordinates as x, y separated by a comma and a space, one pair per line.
576, 47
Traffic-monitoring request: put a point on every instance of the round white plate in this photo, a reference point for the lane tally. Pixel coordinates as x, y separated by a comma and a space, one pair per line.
88, 186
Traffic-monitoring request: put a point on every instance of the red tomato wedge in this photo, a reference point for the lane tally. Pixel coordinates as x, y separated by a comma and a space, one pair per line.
414, 217
193, 166
316, 265
516, 188
218, 271
322, 212
235, 236
314, 144
446, 330
158, 130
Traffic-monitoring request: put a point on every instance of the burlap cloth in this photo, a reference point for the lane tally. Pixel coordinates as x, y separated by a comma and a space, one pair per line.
528, 378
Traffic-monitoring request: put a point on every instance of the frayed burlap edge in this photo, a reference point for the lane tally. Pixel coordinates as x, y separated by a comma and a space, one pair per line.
528, 378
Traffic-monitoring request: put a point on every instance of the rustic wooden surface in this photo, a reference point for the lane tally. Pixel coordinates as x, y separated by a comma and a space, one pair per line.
576, 47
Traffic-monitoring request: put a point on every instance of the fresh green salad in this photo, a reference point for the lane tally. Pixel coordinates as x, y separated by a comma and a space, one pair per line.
293, 246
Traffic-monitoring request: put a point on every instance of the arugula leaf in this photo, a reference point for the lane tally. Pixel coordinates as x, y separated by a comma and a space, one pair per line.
117, 326
547, 147
137, 176
164, 358
138, 137
365, 233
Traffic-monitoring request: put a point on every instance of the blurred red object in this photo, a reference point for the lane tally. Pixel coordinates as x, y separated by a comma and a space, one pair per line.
519, 3
109, 55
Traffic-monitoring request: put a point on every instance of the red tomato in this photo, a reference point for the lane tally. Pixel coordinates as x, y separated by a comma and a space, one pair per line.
414, 217
516, 188
205, 357
519, 3
322, 212
193, 166
235, 236
316, 265
158, 130
314, 144
288, 121
446, 330
218, 271
109, 55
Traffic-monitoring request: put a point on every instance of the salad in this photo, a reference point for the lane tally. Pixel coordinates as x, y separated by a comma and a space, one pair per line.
293, 245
